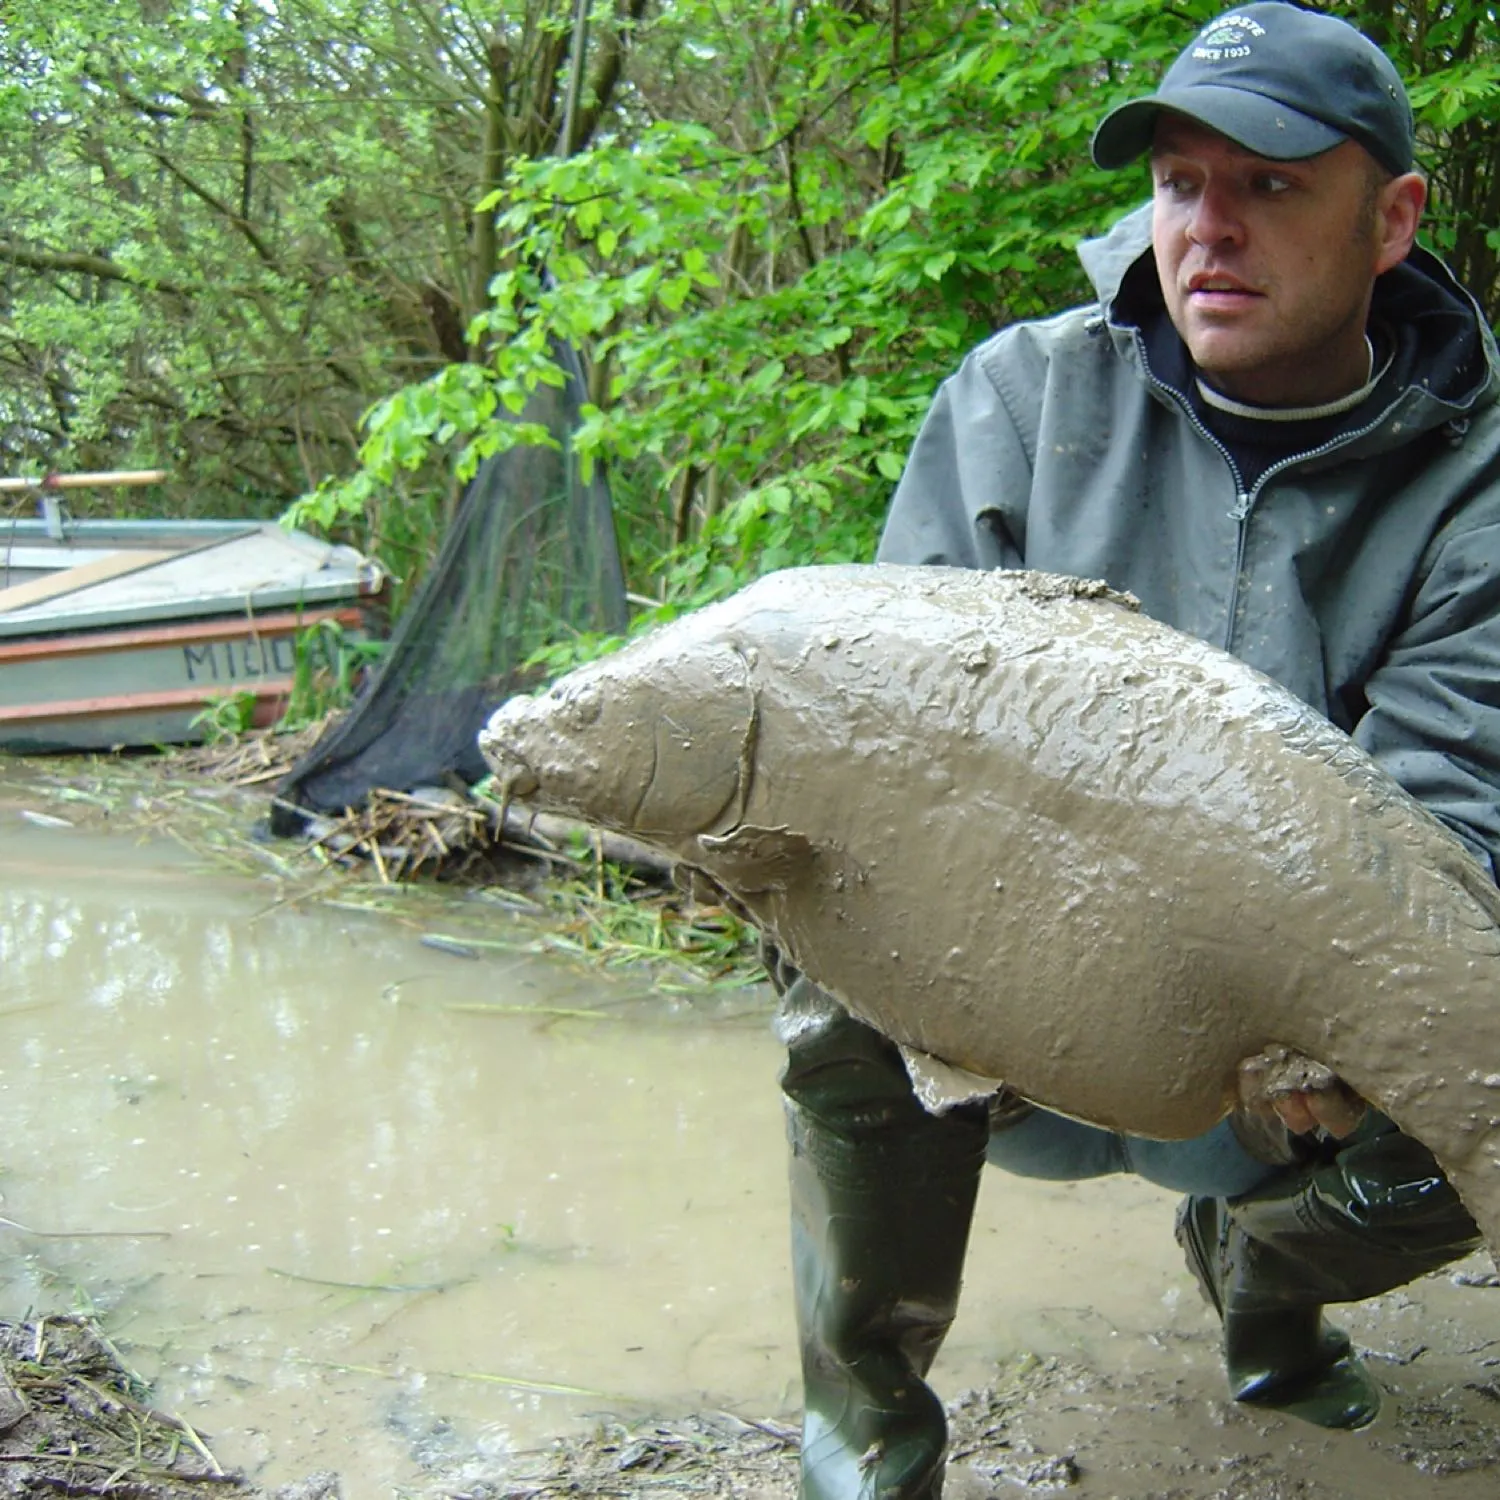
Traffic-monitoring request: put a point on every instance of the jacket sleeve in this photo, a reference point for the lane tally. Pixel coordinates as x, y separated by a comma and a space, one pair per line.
1433, 720
961, 501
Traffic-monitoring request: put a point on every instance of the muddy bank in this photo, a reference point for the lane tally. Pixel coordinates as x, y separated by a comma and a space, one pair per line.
1146, 1422
74, 1420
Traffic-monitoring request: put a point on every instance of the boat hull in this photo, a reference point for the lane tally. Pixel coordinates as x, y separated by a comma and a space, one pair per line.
114, 689
123, 634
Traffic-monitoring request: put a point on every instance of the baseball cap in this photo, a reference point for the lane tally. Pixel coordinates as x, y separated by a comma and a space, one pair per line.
1282, 82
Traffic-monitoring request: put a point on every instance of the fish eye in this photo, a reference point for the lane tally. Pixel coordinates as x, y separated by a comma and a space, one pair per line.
583, 706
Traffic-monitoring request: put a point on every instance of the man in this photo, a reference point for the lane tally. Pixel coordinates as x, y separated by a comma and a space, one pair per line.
1278, 428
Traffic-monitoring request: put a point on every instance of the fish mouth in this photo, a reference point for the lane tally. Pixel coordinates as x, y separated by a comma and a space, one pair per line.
517, 780
498, 744
522, 782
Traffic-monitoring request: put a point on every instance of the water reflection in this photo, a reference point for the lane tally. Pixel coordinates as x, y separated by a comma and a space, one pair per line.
319, 1189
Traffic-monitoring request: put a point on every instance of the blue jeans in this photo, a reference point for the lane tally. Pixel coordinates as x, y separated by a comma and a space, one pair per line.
1062, 1150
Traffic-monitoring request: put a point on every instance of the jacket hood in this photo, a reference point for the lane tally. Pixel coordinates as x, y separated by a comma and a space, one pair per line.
1457, 352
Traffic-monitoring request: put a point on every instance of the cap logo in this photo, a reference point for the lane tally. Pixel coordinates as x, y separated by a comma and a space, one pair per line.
1226, 38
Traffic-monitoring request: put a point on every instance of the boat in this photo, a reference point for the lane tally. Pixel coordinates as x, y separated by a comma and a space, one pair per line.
116, 634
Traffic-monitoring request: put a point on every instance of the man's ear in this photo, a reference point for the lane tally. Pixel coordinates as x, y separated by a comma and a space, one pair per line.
1399, 205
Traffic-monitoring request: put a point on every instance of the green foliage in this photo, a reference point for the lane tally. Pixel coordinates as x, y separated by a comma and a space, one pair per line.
226, 717
230, 231
1450, 54
227, 229
562, 655
329, 667
169, 239
768, 320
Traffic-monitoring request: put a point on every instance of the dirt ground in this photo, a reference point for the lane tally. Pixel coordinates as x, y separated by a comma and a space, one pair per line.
1150, 1423
1145, 1420
74, 1421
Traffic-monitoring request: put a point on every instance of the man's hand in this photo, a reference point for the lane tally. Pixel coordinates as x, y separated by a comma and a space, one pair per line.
1303, 1094
1336, 1109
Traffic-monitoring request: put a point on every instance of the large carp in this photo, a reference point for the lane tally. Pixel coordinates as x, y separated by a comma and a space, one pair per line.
1014, 824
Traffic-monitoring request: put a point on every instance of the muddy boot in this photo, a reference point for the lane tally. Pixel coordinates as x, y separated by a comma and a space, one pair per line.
882, 1195
1374, 1217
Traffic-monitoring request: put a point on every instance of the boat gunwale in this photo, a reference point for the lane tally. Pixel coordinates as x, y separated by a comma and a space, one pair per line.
208, 628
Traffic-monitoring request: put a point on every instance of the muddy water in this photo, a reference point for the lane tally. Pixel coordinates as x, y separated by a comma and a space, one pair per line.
323, 1185
356, 1203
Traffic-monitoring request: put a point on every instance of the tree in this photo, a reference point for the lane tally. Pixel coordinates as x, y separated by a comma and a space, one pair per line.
1451, 55
228, 230
325, 247
770, 286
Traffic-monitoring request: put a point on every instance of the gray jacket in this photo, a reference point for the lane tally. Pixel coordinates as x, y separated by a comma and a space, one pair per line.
1363, 575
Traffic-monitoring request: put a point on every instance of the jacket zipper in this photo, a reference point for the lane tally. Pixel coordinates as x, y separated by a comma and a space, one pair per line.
1244, 500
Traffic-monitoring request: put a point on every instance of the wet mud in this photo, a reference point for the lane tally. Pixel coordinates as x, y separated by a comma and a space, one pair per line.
1131, 1417
378, 1220
74, 1420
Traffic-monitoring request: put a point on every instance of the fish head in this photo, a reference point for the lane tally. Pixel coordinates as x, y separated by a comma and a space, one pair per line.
656, 741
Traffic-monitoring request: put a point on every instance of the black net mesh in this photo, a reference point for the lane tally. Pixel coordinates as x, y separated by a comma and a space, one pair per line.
530, 558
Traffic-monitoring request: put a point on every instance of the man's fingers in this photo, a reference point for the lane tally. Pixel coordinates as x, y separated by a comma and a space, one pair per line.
1336, 1109
1296, 1113
1305, 1095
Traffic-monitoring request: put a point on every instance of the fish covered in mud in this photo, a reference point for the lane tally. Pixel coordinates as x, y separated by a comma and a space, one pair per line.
1018, 826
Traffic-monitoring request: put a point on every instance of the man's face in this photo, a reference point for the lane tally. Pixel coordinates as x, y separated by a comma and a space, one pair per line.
1267, 267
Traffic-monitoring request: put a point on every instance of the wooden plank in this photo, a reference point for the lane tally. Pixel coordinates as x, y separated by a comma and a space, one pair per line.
82, 481
233, 627
67, 580
190, 697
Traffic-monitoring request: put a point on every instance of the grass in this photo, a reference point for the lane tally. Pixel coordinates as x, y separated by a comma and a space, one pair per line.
80, 1423
576, 904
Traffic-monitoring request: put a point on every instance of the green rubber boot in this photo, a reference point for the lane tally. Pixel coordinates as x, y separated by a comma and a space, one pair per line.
882, 1196
1374, 1217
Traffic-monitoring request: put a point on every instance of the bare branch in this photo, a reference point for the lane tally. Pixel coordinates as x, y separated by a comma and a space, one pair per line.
77, 263
200, 192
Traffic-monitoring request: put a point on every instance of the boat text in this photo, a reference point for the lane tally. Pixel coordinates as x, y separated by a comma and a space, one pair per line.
235, 661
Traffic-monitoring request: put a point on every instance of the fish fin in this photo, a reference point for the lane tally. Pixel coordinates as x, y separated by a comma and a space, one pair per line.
941, 1086
749, 858
701, 887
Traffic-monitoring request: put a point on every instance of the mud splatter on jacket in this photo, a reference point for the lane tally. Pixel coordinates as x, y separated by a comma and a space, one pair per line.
1363, 575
